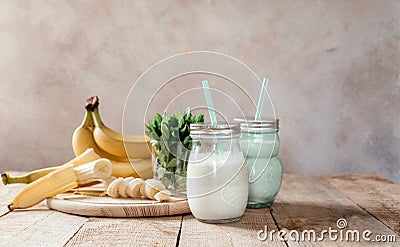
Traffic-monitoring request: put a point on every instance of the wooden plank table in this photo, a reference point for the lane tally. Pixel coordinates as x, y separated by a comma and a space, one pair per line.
367, 204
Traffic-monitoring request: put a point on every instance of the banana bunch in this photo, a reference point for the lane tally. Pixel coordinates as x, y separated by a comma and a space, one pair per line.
100, 154
129, 155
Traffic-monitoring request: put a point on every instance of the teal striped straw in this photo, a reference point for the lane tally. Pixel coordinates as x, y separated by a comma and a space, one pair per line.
263, 92
211, 111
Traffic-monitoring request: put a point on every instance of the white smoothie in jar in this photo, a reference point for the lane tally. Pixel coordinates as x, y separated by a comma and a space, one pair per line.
217, 182
217, 187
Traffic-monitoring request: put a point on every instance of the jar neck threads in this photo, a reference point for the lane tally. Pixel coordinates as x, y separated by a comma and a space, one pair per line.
221, 131
265, 125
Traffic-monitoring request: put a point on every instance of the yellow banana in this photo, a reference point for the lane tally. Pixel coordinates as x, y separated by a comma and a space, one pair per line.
98, 169
28, 178
83, 139
54, 183
61, 180
134, 147
85, 157
136, 168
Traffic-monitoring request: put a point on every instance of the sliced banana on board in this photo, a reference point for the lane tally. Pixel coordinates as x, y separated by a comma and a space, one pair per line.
138, 187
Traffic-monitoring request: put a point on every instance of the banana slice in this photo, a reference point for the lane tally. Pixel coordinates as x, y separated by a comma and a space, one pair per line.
123, 186
137, 187
108, 181
163, 196
133, 189
97, 169
150, 187
113, 188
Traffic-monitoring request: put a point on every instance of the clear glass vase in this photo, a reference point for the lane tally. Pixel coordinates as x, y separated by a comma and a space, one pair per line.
173, 181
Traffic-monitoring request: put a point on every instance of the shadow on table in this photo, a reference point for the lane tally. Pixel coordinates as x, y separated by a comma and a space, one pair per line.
304, 216
299, 216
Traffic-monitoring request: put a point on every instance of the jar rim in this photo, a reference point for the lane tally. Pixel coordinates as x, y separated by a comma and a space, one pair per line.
228, 130
264, 124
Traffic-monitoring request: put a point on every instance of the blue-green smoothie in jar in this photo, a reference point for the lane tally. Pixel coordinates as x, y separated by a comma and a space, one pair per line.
260, 143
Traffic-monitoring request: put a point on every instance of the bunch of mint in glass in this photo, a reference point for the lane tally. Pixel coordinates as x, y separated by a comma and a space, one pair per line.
170, 138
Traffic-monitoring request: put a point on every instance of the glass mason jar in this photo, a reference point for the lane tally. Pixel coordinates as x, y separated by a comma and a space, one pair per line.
260, 143
217, 186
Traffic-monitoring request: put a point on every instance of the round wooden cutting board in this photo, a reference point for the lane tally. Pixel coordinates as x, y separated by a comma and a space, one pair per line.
116, 207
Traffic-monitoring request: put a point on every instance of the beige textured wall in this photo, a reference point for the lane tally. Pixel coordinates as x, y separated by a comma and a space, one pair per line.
334, 69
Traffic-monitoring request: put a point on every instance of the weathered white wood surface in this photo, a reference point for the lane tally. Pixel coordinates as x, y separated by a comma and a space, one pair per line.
150, 231
304, 203
240, 233
311, 203
376, 195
